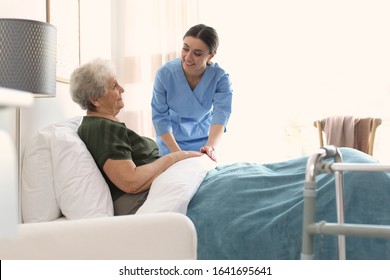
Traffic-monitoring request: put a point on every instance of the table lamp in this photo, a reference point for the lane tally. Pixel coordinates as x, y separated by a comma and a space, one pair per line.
27, 68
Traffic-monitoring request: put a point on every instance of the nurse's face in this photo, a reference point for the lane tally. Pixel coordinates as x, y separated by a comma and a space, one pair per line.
195, 55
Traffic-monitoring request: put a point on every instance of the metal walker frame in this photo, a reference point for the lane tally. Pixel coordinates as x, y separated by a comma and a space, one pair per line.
316, 164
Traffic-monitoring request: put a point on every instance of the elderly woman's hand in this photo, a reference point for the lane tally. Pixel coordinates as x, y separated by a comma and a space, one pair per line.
187, 154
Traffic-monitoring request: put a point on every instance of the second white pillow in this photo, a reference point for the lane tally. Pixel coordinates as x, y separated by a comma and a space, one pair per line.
173, 189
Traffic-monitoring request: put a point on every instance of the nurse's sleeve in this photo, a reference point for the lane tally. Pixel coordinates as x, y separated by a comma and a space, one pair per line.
160, 109
222, 103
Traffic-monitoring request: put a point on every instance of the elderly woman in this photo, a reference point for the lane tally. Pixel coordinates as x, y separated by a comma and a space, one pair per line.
128, 161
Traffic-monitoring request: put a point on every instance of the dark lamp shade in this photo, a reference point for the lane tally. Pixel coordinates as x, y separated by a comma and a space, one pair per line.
28, 56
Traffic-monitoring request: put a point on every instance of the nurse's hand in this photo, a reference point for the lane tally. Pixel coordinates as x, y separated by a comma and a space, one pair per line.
210, 151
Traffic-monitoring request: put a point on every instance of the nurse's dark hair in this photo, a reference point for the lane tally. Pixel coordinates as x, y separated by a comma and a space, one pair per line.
205, 33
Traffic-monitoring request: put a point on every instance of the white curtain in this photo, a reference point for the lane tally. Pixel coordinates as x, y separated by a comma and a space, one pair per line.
145, 35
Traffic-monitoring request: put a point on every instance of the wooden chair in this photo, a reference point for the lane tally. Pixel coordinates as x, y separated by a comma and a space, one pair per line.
374, 123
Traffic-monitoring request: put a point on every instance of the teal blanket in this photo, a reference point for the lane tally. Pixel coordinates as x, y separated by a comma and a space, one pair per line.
254, 211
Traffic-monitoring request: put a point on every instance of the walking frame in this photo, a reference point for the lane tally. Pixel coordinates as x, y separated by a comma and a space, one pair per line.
316, 164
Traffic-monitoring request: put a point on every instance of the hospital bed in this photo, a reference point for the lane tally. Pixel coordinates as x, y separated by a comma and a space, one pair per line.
235, 211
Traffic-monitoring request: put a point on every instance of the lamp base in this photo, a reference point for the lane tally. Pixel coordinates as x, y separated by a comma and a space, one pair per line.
13, 97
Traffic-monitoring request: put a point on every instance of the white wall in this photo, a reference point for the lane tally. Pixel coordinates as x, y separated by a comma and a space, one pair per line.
293, 62
95, 40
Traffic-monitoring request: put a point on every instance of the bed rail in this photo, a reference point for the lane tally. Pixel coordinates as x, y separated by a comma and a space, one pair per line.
316, 164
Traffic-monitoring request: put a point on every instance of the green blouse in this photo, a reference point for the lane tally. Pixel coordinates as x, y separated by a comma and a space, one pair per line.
108, 139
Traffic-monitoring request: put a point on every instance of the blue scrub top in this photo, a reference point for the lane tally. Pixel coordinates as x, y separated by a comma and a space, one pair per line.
188, 113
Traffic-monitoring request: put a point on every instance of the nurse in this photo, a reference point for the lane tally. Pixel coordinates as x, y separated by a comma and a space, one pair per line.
192, 96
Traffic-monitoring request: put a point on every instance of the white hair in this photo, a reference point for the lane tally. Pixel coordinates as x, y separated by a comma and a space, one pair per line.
90, 80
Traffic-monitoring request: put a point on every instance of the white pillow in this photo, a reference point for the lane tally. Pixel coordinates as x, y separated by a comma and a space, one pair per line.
80, 188
37, 194
60, 175
173, 189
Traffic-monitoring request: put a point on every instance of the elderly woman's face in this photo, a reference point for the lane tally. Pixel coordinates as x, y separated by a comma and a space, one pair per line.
112, 102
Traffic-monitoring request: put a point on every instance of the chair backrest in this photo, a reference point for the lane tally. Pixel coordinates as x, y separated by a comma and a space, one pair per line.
324, 131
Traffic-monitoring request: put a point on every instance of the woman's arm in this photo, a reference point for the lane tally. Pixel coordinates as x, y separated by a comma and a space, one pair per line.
222, 107
170, 142
134, 179
159, 104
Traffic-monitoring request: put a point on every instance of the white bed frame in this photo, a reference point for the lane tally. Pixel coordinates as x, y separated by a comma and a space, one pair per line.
315, 165
164, 236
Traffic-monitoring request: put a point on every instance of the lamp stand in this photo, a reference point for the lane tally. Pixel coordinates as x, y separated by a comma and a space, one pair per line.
8, 187
19, 161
